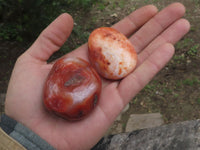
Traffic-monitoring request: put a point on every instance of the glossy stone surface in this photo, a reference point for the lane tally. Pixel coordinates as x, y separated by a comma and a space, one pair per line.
72, 88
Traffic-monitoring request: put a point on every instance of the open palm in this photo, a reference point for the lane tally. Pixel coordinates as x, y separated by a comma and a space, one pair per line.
152, 33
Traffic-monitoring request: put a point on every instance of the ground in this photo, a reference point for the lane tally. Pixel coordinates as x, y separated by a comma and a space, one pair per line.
174, 91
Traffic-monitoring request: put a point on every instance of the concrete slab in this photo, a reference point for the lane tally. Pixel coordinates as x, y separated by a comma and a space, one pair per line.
142, 121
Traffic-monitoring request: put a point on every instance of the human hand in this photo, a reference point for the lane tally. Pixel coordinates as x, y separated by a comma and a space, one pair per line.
152, 34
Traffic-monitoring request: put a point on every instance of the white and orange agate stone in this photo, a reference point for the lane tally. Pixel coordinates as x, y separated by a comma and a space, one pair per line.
111, 53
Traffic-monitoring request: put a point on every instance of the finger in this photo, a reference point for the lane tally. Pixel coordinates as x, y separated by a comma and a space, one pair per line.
171, 35
135, 20
157, 25
134, 82
52, 38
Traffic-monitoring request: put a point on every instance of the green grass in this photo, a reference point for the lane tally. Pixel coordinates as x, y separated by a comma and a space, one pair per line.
176, 95
191, 82
22, 21
179, 58
198, 100
188, 82
179, 83
186, 42
150, 87
197, 2
121, 4
193, 50
151, 1
167, 90
101, 6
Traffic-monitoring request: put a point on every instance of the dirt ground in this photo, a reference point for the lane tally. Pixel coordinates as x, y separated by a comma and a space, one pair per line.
174, 92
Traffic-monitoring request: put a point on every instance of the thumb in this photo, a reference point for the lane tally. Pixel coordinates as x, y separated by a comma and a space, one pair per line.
52, 38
